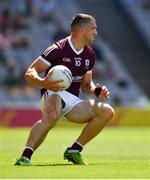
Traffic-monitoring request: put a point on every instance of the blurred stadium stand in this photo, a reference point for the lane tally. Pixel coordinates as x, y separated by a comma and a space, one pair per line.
25, 33
137, 14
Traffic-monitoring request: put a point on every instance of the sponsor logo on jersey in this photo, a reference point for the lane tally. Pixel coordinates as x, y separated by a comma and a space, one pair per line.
77, 78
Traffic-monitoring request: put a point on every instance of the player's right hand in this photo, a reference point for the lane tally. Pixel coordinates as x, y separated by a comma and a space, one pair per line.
50, 84
104, 93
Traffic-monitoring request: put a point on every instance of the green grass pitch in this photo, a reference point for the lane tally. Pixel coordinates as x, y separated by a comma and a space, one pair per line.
115, 153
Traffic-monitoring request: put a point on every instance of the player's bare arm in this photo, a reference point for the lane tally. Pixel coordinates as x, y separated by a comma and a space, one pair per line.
32, 76
88, 87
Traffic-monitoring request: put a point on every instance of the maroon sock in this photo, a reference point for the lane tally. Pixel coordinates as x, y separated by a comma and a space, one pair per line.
76, 146
27, 152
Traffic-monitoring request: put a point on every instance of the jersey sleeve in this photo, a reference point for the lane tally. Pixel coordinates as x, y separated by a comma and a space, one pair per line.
92, 59
50, 55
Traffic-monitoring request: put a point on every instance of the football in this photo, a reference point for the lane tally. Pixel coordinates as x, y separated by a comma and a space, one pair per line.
62, 72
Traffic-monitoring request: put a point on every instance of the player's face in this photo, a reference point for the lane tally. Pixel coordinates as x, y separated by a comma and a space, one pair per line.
90, 32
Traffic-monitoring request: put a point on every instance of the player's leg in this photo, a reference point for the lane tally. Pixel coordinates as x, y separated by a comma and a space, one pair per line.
96, 115
51, 110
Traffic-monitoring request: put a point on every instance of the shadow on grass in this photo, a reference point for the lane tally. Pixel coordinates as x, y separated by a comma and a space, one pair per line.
53, 164
63, 164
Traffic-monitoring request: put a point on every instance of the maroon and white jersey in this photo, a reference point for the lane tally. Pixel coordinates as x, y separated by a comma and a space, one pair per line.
64, 53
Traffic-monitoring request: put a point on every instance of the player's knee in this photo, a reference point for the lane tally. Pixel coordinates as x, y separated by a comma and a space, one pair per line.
51, 109
50, 119
109, 111
105, 110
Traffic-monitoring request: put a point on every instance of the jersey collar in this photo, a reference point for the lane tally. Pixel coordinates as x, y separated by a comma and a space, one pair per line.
72, 46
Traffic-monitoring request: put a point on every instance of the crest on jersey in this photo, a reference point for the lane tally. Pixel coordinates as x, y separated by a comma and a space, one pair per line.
87, 62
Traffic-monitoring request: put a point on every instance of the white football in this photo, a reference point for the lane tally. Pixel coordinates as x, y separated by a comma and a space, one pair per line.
64, 73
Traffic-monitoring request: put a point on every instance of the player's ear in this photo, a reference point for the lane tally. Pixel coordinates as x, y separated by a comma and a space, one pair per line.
82, 30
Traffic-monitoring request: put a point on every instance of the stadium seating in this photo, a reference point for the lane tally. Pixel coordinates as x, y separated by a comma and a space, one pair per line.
140, 16
124, 91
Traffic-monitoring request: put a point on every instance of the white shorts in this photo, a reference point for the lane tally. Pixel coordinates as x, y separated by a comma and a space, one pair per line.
69, 99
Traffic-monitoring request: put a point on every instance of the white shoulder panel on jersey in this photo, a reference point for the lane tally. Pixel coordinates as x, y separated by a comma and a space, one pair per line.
50, 49
44, 60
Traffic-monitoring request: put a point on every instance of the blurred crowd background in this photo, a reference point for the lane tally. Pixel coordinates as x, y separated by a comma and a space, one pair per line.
122, 46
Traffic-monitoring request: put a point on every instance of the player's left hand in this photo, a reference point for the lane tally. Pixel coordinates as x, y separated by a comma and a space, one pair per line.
104, 93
